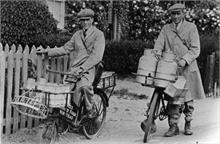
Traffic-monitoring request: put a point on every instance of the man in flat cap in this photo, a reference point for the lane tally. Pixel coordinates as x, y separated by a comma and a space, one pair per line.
182, 38
86, 48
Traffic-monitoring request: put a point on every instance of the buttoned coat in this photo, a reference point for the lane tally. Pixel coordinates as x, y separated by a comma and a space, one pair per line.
168, 40
90, 47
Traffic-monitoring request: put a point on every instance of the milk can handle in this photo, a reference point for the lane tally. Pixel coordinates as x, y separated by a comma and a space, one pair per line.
175, 59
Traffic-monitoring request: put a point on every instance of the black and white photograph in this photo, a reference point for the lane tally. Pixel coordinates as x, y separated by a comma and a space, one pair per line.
109, 71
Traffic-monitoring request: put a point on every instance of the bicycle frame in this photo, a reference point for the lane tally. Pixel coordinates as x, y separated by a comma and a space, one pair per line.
154, 109
159, 104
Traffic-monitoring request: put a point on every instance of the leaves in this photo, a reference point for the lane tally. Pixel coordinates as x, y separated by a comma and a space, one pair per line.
21, 21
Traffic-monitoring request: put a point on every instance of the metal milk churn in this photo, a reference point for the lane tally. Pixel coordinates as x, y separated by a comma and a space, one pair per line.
147, 66
166, 69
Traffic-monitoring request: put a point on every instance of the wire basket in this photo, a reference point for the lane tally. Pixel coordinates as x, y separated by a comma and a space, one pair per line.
30, 104
108, 79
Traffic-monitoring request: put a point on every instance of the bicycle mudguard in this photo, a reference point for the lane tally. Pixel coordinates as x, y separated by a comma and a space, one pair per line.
102, 93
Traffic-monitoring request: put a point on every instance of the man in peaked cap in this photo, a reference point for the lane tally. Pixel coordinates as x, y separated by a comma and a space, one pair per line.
182, 38
86, 13
177, 7
86, 48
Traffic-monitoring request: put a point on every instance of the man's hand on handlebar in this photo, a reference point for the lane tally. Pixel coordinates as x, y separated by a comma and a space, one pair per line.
78, 71
73, 76
41, 50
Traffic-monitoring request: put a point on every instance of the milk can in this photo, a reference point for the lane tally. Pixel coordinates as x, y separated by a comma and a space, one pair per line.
166, 69
147, 66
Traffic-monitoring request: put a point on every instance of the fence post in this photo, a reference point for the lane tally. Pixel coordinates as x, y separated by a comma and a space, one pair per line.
2, 88
18, 56
208, 82
9, 81
24, 79
212, 67
45, 63
39, 66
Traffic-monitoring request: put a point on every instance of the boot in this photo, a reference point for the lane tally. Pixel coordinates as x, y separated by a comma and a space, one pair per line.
188, 119
173, 130
188, 128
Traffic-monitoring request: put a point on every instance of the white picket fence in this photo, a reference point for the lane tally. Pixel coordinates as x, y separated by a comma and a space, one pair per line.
13, 75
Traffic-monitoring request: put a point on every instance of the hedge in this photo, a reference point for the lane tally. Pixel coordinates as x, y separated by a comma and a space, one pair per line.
123, 56
52, 40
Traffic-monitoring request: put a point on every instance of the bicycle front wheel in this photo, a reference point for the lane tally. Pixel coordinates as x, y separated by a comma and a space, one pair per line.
93, 126
150, 118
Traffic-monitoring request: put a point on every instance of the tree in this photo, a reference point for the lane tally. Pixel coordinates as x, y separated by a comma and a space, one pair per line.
22, 22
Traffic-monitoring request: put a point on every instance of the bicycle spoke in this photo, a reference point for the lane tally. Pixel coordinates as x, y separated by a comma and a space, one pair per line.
100, 106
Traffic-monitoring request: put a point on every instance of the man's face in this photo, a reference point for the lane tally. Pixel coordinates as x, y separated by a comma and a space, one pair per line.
86, 22
177, 16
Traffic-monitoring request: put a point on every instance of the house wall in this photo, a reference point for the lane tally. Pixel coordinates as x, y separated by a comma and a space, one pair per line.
57, 8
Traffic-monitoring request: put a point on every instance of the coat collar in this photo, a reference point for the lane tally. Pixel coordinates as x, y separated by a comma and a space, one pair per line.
88, 33
178, 25
182, 26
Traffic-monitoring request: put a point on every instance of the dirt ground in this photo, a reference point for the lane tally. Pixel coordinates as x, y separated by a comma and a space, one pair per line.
126, 111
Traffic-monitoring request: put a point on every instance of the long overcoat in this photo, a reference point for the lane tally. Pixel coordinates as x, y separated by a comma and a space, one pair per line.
92, 46
89, 49
168, 40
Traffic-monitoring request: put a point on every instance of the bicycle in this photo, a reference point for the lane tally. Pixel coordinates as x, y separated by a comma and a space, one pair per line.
39, 100
157, 107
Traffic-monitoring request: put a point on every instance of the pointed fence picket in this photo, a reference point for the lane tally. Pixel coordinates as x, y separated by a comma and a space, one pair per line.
9, 83
18, 56
14, 75
2, 87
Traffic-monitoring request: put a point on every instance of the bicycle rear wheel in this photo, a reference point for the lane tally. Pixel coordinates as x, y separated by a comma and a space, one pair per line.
94, 125
150, 118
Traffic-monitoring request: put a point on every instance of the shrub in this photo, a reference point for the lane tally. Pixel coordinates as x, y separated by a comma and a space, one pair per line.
52, 40
22, 21
123, 56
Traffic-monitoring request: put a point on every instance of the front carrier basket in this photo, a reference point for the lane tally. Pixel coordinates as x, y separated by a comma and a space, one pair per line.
30, 104
40, 96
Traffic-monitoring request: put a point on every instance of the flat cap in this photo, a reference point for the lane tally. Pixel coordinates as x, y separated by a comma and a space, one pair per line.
85, 13
177, 7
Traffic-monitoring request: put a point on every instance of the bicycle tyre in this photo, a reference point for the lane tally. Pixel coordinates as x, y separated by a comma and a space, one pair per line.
150, 118
48, 134
93, 126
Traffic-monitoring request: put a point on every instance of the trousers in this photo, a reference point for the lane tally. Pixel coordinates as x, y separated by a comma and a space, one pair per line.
174, 111
84, 88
